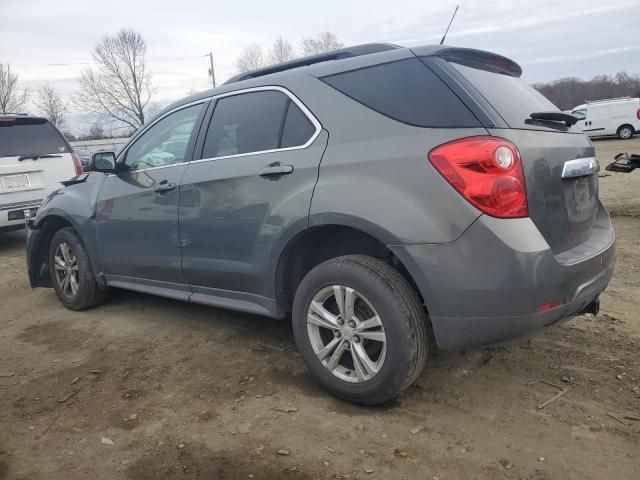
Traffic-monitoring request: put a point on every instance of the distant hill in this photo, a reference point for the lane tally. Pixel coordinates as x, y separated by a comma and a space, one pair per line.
567, 93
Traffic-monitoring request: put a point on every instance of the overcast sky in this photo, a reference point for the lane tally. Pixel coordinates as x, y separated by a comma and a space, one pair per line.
550, 39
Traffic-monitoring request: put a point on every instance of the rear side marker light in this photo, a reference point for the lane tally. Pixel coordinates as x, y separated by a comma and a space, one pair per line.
77, 163
487, 172
550, 305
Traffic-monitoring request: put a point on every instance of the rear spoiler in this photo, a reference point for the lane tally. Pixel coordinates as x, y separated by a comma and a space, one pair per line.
472, 58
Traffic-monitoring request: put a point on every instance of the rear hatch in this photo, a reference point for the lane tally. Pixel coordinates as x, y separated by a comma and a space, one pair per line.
34, 159
563, 202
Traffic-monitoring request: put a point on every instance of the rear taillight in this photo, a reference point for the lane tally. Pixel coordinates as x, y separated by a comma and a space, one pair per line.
77, 163
638, 114
487, 171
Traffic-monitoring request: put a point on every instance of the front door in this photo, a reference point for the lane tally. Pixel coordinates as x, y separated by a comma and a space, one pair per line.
137, 209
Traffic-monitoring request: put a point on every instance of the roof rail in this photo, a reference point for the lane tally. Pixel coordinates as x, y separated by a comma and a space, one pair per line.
348, 52
617, 99
10, 114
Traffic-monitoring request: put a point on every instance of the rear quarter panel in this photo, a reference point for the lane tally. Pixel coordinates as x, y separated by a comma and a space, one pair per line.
375, 175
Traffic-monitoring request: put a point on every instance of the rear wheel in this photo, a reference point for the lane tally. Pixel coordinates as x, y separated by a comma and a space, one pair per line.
360, 328
625, 132
71, 272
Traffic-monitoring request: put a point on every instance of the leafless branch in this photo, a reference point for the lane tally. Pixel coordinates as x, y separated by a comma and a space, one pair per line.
120, 89
321, 43
12, 100
252, 58
281, 51
51, 105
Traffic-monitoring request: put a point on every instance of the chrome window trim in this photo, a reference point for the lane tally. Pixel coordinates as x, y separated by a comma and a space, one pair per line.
134, 139
310, 116
580, 167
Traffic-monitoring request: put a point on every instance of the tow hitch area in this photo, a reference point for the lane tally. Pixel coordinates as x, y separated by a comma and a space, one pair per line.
625, 163
593, 307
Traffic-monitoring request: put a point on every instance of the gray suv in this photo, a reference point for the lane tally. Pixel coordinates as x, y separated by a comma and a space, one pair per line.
387, 200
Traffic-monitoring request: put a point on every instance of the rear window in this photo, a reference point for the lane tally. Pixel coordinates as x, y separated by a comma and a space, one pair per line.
513, 98
29, 136
407, 91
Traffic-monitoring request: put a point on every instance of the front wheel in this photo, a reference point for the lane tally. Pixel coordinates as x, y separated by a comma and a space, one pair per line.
625, 132
360, 329
71, 272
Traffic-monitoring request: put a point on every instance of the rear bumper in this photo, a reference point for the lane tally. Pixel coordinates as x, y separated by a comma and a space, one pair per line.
489, 286
12, 214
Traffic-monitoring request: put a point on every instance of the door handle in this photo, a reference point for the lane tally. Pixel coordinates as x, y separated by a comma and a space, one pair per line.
275, 170
164, 186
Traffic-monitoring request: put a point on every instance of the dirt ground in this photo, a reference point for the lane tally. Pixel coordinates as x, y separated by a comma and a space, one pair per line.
145, 387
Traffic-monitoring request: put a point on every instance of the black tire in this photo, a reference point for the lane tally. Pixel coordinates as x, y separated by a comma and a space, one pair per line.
88, 294
625, 132
398, 307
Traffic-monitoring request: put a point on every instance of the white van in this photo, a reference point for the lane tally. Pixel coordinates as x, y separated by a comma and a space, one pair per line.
615, 116
34, 158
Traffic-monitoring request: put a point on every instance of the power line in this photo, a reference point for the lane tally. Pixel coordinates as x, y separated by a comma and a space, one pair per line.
155, 60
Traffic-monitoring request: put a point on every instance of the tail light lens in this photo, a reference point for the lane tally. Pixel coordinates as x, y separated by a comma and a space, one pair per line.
77, 163
638, 113
487, 171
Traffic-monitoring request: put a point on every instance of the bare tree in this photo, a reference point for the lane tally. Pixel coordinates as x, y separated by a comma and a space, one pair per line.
120, 89
567, 93
321, 43
12, 100
96, 132
251, 58
281, 51
51, 105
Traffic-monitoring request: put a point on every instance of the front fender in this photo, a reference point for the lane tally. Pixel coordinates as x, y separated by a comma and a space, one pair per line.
72, 205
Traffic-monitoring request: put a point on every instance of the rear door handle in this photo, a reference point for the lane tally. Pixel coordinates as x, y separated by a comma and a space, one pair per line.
275, 170
164, 186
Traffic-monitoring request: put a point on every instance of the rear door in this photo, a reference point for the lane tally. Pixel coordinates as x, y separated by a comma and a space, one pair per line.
253, 184
559, 162
34, 159
137, 208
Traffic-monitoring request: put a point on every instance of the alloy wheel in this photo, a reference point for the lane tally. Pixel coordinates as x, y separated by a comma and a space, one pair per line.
66, 268
346, 333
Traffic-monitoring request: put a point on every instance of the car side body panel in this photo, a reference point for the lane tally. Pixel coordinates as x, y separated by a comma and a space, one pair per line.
74, 204
239, 222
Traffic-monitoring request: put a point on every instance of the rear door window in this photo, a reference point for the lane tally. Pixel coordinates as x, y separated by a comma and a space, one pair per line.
246, 123
513, 98
30, 136
298, 129
407, 91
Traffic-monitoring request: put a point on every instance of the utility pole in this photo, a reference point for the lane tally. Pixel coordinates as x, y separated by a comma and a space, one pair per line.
211, 72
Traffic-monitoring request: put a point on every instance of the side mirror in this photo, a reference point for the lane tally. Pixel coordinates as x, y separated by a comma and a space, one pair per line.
103, 162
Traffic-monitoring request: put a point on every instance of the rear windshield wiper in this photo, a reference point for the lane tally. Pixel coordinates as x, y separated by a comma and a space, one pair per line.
36, 157
567, 119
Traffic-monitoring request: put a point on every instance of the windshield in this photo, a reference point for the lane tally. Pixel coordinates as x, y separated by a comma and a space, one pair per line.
29, 136
579, 114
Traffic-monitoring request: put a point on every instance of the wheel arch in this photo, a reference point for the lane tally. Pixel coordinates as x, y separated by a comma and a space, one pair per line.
39, 241
633, 130
321, 242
